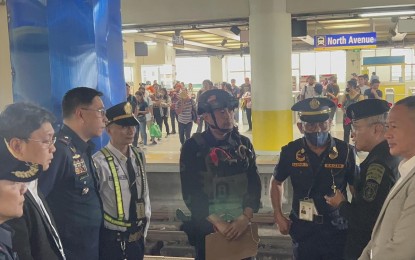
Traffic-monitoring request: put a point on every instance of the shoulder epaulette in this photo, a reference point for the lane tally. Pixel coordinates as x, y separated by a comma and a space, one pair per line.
64, 139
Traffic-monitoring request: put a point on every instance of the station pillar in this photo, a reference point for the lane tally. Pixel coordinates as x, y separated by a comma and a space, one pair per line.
216, 69
6, 96
270, 48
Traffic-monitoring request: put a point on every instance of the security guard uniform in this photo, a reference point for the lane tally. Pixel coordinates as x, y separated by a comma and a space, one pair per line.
125, 227
71, 189
323, 235
378, 173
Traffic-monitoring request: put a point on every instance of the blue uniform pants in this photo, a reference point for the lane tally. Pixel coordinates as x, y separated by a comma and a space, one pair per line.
313, 241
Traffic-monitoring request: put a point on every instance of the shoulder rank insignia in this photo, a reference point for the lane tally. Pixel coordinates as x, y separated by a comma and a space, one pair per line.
300, 156
64, 139
333, 154
33, 170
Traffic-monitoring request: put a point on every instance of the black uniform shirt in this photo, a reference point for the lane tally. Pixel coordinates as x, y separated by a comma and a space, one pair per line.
70, 187
6, 243
379, 172
304, 167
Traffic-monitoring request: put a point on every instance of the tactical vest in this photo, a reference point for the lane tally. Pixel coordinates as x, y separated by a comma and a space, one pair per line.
225, 179
120, 219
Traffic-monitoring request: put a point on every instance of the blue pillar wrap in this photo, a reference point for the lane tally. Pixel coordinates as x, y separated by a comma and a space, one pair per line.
62, 44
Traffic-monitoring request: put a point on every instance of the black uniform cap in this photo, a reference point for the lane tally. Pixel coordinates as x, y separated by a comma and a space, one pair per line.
122, 114
367, 108
14, 170
213, 99
313, 109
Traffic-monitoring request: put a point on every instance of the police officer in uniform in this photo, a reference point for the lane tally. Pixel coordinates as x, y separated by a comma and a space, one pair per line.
378, 173
318, 165
13, 175
218, 173
71, 182
26, 136
123, 188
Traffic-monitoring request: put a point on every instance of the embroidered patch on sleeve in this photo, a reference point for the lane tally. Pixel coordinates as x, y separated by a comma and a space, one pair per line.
375, 172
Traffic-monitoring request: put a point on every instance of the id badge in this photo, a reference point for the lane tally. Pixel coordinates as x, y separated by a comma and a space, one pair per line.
141, 209
307, 209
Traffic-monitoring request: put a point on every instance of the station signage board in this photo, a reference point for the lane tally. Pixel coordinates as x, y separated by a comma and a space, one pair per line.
345, 41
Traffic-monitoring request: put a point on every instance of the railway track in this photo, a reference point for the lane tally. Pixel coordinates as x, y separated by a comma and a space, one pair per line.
164, 238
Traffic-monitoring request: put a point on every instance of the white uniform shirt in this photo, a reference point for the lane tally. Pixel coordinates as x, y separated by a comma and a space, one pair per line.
106, 182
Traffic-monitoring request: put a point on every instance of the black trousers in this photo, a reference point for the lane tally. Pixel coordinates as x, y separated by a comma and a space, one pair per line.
110, 248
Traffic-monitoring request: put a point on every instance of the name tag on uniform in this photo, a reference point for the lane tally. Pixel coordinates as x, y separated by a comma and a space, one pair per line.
141, 209
300, 164
334, 165
307, 209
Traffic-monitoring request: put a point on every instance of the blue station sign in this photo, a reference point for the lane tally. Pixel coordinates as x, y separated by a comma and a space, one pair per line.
345, 41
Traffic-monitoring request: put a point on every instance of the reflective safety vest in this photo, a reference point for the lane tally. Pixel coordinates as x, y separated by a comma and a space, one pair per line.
120, 219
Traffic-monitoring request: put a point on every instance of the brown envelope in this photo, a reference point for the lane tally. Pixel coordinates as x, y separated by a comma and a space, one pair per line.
219, 248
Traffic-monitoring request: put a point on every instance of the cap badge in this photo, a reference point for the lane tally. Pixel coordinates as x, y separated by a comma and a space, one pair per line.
314, 103
33, 170
128, 109
299, 156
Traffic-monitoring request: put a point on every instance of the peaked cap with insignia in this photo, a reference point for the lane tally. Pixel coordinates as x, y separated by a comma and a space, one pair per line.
367, 108
14, 170
313, 109
122, 114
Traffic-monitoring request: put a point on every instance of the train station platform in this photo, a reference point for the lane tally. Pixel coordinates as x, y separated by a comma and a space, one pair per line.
166, 153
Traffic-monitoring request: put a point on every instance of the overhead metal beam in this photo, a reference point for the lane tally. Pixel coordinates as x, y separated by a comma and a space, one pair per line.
186, 42
223, 33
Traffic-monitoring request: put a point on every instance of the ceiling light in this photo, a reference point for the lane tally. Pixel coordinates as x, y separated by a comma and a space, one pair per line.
170, 44
129, 31
392, 13
150, 43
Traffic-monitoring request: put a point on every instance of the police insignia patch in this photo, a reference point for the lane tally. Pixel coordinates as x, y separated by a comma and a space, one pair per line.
299, 156
375, 172
369, 191
333, 153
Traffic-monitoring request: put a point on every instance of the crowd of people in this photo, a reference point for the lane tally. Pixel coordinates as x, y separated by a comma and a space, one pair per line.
154, 104
64, 200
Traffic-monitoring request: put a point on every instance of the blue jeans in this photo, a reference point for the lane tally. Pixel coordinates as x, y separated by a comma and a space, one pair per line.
184, 131
143, 131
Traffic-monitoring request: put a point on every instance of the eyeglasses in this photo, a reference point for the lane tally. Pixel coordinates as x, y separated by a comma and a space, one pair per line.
48, 142
313, 127
102, 111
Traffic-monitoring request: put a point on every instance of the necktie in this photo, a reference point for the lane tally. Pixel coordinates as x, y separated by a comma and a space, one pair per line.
133, 190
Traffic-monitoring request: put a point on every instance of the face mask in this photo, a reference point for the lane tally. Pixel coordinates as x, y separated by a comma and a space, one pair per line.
318, 139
